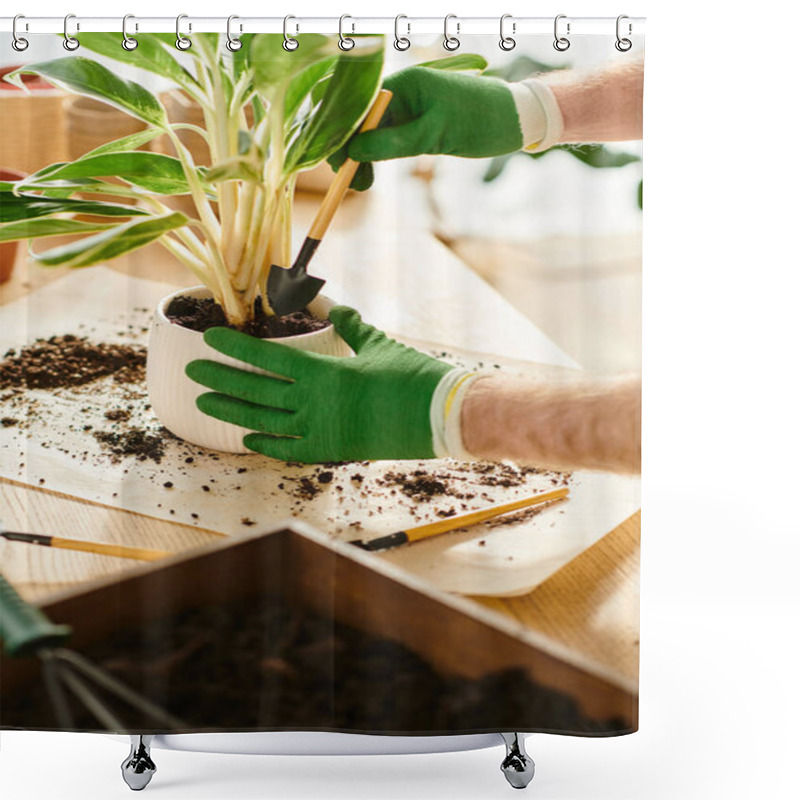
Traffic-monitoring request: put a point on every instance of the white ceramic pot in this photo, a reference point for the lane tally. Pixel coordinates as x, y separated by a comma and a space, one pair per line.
173, 393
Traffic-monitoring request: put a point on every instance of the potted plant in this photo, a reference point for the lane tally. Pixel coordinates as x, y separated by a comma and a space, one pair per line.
268, 116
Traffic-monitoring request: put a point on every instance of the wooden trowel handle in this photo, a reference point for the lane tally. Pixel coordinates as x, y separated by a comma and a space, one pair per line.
344, 176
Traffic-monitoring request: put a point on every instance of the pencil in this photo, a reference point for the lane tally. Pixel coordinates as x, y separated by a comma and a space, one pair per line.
461, 521
118, 550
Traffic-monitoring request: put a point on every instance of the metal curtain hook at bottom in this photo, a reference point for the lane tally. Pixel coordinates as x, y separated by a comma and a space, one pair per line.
128, 42
233, 44
182, 42
70, 42
561, 43
623, 44
507, 42
19, 43
401, 43
345, 42
289, 44
449, 42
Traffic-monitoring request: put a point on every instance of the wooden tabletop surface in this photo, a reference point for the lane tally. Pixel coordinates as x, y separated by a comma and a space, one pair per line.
591, 605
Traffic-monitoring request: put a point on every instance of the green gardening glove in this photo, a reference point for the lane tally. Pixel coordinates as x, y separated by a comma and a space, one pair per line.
375, 405
437, 112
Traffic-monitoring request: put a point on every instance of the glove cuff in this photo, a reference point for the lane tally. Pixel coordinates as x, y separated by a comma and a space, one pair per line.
539, 115
446, 403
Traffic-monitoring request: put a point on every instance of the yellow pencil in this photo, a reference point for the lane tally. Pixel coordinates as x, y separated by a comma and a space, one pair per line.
460, 521
118, 550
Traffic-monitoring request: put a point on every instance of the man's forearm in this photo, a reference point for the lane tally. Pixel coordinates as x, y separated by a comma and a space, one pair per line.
601, 106
563, 426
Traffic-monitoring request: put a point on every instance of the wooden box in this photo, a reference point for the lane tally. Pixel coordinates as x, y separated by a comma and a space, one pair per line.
339, 582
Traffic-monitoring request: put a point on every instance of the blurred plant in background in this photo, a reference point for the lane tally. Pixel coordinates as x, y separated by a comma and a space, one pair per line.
597, 156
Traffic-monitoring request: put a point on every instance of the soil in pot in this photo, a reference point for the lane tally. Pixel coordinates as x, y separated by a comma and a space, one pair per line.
200, 314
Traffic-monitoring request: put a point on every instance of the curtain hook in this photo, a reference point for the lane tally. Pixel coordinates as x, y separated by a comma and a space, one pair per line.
70, 42
401, 42
182, 42
345, 42
128, 42
623, 45
19, 43
289, 44
233, 44
561, 43
507, 42
449, 42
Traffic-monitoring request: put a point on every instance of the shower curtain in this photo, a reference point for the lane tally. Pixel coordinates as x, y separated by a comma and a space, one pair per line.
248, 490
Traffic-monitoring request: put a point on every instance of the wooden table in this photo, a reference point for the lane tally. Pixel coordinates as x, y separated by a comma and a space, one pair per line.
590, 606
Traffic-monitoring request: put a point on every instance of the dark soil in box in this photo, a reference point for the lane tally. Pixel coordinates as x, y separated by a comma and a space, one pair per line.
200, 314
239, 667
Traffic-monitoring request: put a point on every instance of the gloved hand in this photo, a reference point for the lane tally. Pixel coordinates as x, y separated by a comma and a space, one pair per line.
437, 112
375, 405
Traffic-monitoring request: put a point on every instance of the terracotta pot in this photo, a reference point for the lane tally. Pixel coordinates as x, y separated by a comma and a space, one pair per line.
173, 394
32, 131
8, 250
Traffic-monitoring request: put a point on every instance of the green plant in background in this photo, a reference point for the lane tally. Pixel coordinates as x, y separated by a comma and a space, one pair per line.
268, 115
593, 155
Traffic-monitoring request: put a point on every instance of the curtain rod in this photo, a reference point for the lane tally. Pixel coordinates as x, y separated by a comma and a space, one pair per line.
407, 25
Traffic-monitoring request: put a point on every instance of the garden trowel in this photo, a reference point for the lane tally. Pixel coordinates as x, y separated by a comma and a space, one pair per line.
293, 289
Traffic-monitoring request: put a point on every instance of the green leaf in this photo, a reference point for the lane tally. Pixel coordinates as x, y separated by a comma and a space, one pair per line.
15, 207
87, 77
241, 57
46, 226
154, 172
151, 54
303, 82
111, 243
496, 166
520, 68
273, 67
349, 93
234, 169
598, 156
465, 62
132, 142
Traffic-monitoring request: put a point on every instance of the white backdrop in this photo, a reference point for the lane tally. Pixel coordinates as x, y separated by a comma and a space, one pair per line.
720, 602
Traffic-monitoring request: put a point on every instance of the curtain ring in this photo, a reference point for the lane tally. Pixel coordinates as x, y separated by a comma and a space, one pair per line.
70, 42
345, 42
401, 43
128, 42
449, 42
19, 43
182, 42
289, 44
507, 42
561, 43
623, 45
233, 44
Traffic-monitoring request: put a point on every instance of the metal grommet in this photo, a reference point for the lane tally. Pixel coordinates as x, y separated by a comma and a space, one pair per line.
289, 44
182, 42
70, 42
233, 44
449, 42
19, 43
561, 43
401, 43
623, 44
128, 42
507, 42
345, 42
